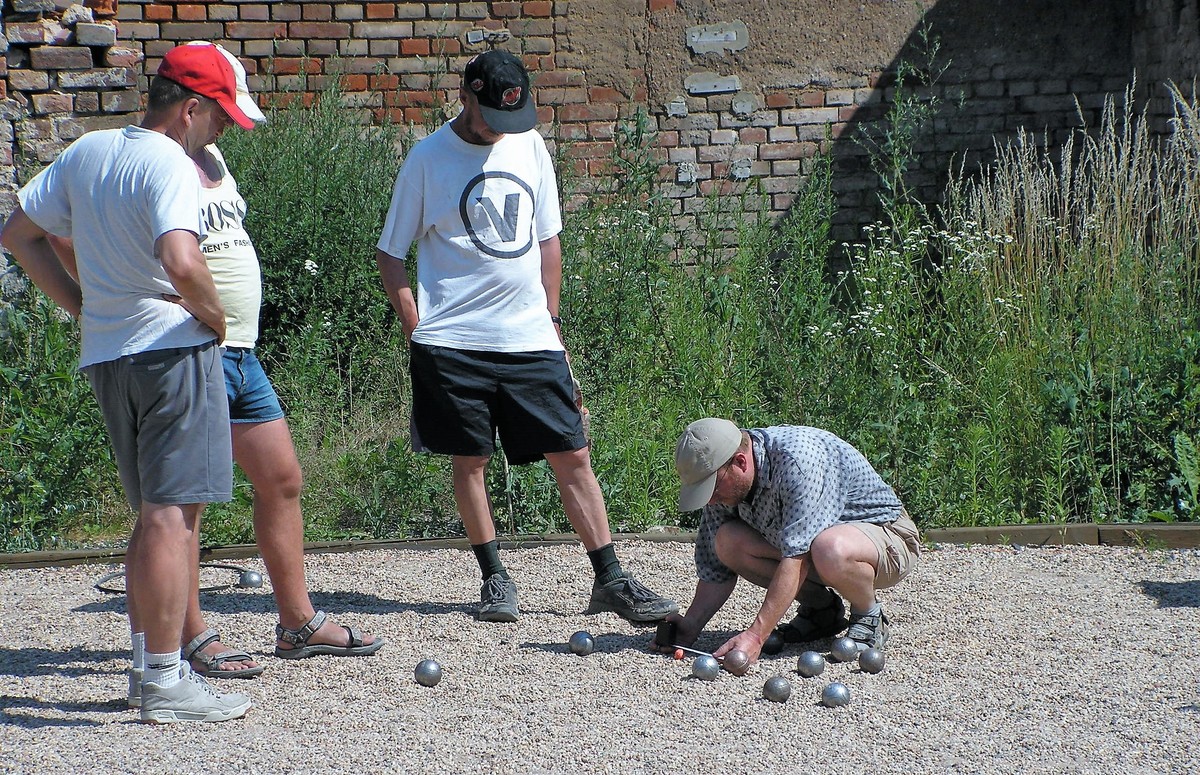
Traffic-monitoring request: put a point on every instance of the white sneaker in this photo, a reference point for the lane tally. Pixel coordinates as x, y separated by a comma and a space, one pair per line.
192, 699
135, 687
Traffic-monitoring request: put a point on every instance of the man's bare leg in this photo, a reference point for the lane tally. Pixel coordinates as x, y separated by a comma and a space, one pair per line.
266, 453
157, 572
471, 497
582, 499
842, 556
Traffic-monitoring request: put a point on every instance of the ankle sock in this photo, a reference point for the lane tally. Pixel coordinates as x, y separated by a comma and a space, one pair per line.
162, 669
874, 610
605, 563
139, 650
488, 557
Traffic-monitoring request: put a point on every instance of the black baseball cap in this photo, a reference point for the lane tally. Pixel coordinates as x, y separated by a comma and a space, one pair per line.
499, 81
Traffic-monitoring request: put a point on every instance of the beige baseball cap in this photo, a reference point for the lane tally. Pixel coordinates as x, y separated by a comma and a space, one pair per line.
703, 448
244, 101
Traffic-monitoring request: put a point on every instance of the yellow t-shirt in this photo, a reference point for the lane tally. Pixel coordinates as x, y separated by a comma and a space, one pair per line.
231, 256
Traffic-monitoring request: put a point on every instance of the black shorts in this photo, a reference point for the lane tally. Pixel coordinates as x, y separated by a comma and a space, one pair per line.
462, 398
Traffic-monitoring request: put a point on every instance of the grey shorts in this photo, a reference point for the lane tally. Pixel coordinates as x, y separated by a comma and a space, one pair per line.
168, 421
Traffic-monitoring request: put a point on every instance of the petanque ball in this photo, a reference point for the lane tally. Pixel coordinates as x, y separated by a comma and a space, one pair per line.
777, 689
871, 661
428, 672
773, 644
737, 662
706, 668
250, 579
844, 650
835, 695
582, 643
810, 664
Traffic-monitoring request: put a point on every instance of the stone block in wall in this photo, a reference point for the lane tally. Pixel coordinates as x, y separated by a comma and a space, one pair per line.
60, 58
87, 102
252, 30
122, 57
51, 102
310, 30
33, 6
120, 101
69, 128
103, 35
382, 30
28, 80
185, 31
106, 78
39, 31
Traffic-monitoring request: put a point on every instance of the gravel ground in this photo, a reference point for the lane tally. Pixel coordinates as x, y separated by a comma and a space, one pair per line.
1002, 659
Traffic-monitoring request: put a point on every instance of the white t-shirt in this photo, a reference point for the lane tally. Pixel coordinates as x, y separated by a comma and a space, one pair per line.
477, 213
231, 256
113, 193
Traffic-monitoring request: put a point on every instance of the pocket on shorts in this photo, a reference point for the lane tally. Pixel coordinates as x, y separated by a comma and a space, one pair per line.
906, 529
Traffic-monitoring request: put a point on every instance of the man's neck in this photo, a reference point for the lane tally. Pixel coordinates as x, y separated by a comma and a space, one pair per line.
206, 165
469, 135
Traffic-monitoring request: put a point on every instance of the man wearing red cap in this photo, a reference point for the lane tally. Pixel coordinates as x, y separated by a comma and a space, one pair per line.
479, 198
151, 325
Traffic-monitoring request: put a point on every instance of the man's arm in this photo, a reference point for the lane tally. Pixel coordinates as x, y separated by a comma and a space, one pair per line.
552, 275
709, 598
784, 587
180, 255
65, 250
399, 291
30, 246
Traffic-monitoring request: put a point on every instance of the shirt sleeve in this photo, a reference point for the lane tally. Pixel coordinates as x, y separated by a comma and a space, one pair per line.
44, 199
708, 567
548, 215
404, 222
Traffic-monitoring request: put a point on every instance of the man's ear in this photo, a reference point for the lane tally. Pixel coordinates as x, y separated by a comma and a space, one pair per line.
188, 110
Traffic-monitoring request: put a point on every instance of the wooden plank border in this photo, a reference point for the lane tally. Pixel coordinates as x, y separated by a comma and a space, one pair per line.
1177, 536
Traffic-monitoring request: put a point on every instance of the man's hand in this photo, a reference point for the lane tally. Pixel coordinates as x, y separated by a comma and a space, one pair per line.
747, 641
685, 634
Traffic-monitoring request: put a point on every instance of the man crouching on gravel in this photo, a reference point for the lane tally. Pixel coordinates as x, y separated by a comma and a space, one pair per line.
799, 512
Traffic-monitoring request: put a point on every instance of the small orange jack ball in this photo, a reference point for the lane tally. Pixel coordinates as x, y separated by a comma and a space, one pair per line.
678, 653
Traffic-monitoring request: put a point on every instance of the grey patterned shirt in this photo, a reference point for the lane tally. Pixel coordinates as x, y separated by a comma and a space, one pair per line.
806, 480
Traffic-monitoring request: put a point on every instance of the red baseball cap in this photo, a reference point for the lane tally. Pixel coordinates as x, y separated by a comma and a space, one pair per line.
204, 70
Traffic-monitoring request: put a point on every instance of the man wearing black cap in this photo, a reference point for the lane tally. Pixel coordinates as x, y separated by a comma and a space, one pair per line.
800, 512
151, 323
479, 198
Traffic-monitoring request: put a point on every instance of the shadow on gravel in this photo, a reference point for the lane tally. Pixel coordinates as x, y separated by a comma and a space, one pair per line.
29, 662
1173, 594
10, 703
262, 602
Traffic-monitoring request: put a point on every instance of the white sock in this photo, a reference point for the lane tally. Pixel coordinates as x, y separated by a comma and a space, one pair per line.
139, 650
874, 610
162, 669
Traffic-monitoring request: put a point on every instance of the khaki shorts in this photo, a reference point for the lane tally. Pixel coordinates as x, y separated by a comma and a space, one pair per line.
899, 547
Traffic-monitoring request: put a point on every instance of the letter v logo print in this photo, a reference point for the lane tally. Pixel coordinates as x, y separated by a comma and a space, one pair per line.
506, 227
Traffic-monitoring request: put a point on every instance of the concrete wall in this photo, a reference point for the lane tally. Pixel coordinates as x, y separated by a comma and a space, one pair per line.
743, 93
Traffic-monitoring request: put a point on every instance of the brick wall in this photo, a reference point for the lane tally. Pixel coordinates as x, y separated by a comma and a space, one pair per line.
67, 72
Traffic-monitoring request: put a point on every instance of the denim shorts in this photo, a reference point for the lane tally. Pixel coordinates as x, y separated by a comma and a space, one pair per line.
251, 397
462, 399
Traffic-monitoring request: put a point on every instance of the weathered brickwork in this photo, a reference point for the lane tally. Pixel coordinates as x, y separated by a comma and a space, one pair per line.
69, 71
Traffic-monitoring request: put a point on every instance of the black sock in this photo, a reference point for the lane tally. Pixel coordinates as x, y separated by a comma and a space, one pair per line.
488, 556
605, 563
